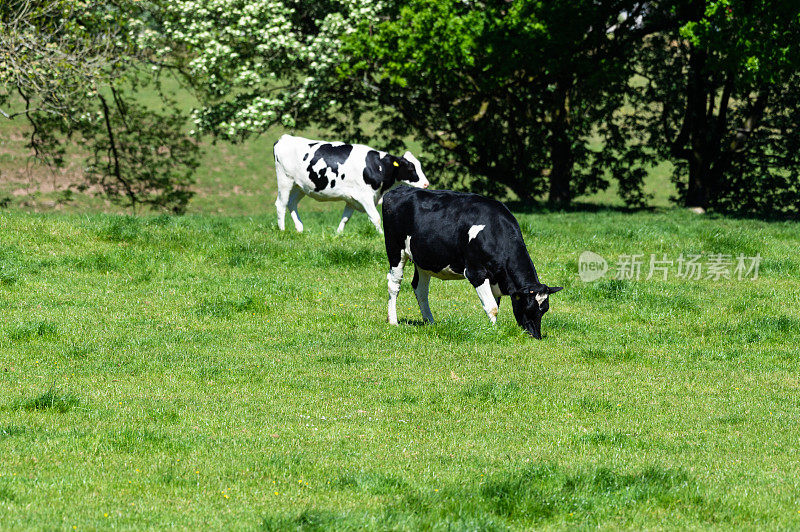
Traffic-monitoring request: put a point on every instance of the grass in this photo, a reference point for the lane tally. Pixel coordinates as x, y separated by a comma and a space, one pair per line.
211, 371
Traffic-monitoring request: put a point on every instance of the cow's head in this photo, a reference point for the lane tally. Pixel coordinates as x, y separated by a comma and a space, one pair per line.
530, 305
410, 171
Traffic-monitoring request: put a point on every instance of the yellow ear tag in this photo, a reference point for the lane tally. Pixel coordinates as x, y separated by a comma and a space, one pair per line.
395, 163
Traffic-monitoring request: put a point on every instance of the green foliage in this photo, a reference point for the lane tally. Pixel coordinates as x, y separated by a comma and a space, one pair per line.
502, 95
78, 76
55, 52
519, 98
140, 156
719, 99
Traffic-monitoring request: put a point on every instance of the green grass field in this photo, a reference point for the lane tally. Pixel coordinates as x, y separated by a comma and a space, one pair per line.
208, 371
211, 372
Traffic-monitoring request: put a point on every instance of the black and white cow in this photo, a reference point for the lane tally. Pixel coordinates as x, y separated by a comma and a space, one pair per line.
335, 171
455, 235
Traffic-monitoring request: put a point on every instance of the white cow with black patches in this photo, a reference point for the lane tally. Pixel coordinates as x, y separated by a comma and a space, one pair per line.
454, 235
336, 171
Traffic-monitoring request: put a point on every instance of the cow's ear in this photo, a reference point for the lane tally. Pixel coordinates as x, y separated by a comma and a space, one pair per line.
554, 289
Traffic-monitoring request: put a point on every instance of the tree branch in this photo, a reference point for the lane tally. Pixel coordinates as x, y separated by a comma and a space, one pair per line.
115, 155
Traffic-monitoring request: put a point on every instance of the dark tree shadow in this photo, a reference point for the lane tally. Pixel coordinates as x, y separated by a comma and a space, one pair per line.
527, 207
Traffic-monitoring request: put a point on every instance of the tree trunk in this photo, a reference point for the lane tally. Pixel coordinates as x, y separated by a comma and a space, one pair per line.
698, 193
697, 125
561, 151
561, 173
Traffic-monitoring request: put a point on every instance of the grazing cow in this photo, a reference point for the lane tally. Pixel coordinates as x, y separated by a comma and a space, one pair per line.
455, 235
331, 171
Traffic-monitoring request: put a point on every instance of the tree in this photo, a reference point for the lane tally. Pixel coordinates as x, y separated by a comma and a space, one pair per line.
513, 94
254, 64
53, 53
720, 99
76, 67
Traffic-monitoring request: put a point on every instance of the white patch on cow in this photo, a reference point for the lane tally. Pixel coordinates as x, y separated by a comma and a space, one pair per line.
407, 249
541, 298
474, 230
446, 274
487, 300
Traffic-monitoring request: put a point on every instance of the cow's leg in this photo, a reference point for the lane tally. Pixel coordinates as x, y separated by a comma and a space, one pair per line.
294, 197
372, 213
488, 301
285, 186
496, 293
484, 290
280, 205
397, 261
348, 212
420, 283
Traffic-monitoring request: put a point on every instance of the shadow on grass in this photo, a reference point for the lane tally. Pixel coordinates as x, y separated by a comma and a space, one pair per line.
492, 391
459, 329
133, 441
31, 330
226, 307
522, 207
413, 323
583, 207
11, 431
538, 495
348, 254
51, 400
6, 495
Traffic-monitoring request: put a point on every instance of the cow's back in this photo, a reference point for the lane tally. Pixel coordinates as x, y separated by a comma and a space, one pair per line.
438, 227
324, 170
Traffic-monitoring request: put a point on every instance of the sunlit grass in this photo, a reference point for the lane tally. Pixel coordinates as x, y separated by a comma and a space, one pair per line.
212, 372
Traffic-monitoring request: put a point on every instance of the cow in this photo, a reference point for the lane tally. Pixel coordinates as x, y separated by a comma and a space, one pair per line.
457, 235
331, 171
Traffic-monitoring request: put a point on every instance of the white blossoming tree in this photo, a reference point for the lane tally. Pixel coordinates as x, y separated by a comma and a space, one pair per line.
253, 64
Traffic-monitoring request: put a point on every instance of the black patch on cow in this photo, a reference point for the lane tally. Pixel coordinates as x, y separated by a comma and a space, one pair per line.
333, 183
380, 172
305, 156
333, 157
406, 171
